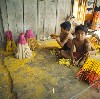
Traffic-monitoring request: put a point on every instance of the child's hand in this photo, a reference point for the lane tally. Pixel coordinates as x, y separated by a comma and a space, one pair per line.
87, 54
53, 36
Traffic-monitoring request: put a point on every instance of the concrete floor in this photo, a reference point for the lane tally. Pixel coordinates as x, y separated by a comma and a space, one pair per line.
40, 77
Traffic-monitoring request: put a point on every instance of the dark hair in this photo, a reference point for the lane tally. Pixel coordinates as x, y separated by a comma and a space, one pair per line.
66, 25
82, 28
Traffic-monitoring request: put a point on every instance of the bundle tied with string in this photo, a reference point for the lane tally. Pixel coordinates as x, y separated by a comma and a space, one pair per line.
31, 40
23, 50
90, 73
10, 43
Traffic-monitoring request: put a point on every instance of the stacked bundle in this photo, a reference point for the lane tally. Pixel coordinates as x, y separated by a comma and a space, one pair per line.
31, 40
90, 72
23, 50
10, 45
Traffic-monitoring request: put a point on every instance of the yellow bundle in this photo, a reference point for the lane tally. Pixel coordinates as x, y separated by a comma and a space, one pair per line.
10, 46
92, 65
13, 45
32, 43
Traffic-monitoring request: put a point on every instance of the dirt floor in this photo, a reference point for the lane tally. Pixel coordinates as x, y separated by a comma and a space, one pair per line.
41, 77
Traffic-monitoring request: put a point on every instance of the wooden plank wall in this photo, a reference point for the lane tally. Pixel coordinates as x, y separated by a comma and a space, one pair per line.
15, 16
11, 11
50, 18
19, 17
30, 15
3, 14
1, 29
63, 10
3, 19
42, 16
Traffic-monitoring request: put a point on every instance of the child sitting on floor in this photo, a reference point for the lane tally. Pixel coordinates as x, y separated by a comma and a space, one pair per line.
83, 46
64, 39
